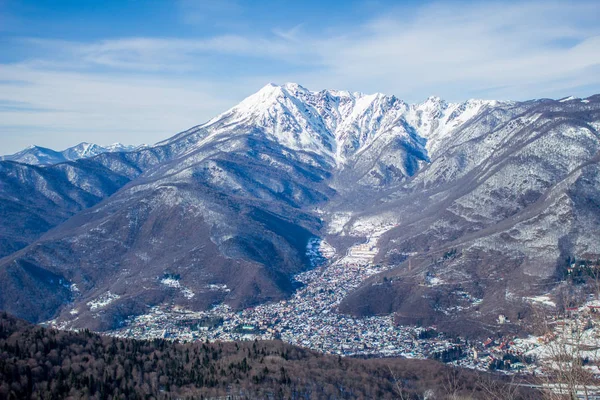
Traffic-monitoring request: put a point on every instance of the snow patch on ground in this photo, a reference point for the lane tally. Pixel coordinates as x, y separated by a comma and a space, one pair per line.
567, 99
187, 293
171, 282
373, 226
218, 287
102, 300
433, 281
338, 221
542, 299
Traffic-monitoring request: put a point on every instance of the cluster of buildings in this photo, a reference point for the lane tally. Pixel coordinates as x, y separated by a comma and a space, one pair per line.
573, 335
576, 333
309, 319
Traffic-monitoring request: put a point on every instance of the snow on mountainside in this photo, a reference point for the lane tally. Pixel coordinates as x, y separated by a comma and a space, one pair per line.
338, 125
36, 155
469, 191
84, 150
504, 202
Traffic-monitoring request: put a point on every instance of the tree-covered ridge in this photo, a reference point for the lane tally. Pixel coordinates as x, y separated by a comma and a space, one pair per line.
41, 363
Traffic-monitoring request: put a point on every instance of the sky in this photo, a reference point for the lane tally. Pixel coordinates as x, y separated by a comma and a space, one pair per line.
134, 71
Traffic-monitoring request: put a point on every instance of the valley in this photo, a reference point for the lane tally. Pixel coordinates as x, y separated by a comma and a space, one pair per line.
311, 319
346, 223
229, 200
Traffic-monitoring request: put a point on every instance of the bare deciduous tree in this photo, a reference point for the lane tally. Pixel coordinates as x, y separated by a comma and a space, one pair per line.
570, 345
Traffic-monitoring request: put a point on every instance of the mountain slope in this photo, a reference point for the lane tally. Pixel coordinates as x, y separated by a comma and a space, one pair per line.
515, 196
480, 195
40, 362
34, 199
209, 216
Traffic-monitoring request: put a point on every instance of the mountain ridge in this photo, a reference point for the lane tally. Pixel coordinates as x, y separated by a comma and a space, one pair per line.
321, 119
37, 155
237, 200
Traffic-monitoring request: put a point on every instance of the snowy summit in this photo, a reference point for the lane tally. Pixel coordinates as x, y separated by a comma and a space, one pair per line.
340, 124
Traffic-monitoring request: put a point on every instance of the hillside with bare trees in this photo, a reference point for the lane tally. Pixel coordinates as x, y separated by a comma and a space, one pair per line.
41, 363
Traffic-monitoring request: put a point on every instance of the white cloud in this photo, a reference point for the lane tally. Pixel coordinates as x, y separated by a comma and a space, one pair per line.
99, 108
480, 46
145, 89
155, 54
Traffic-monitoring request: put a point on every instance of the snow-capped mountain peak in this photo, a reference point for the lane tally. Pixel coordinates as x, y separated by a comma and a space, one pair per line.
240, 197
338, 124
82, 150
282, 114
37, 155
294, 88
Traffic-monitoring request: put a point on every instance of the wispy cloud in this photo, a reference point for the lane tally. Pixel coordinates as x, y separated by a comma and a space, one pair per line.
440, 45
21, 106
456, 50
491, 45
104, 109
157, 54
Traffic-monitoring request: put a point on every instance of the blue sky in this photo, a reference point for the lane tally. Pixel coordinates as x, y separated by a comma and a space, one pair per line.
140, 71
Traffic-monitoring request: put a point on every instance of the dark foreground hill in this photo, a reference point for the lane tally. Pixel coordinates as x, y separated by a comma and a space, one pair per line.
40, 363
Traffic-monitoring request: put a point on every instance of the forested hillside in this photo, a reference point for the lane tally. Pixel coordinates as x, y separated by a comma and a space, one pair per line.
40, 363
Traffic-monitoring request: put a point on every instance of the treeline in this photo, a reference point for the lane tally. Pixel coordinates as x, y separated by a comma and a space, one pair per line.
40, 363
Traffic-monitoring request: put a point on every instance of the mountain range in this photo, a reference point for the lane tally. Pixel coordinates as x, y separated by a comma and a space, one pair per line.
36, 155
480, 200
